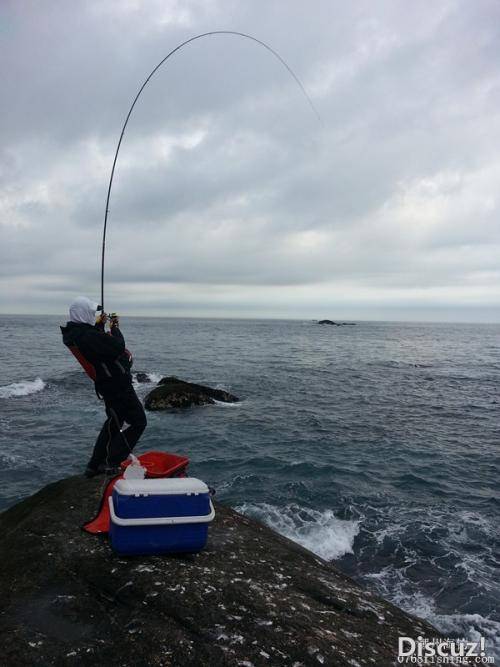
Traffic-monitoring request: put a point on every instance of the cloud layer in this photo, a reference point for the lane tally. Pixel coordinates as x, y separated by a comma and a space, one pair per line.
230, 198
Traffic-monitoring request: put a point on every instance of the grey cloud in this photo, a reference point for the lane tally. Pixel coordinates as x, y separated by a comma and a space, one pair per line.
397, 192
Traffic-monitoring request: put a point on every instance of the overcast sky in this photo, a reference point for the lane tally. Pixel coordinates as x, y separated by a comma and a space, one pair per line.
230, 198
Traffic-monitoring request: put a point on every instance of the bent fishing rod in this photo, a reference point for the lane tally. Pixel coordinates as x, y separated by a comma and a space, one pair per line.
153, 72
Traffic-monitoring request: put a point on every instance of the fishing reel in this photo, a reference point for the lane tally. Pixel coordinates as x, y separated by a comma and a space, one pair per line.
114, 319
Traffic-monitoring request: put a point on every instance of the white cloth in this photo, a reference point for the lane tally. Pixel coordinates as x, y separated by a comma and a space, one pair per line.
83, 310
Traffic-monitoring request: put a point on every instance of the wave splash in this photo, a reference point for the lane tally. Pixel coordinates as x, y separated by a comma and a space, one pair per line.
22, 388
456, 550
320, 532
393, 586
153, 378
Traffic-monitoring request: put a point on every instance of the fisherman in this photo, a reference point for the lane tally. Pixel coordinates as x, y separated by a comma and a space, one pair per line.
106, 360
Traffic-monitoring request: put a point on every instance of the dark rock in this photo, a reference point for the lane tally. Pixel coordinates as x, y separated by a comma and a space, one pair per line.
337, 324
174, 393
252, 597
142, 377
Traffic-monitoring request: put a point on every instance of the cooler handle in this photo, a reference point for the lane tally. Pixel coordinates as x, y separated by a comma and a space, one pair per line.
159, 521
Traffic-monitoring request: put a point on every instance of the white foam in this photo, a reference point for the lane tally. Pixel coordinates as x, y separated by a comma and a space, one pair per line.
22, 388
153, 378
392, 585
15, 460
320, 532
470, 626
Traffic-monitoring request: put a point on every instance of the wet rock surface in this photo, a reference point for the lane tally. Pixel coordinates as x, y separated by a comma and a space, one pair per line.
251, 598
174, 393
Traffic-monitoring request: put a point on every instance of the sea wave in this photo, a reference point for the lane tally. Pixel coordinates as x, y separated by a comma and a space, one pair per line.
460, 625
471, 626
15, 461
153, 378
319, 531
224, 404
457, 552
24, 388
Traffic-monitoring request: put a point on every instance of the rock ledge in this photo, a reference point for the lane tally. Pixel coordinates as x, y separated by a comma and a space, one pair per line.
251, 598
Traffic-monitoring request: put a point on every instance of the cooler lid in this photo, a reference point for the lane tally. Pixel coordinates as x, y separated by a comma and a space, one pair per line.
163, 486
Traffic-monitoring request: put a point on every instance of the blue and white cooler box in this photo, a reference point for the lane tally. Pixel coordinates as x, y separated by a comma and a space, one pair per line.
157, 516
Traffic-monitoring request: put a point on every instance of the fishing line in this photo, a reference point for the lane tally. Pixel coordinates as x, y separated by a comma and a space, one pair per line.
153, 72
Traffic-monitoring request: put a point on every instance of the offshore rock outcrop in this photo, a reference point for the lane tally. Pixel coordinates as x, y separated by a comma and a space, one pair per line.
171, 392
337, 324
251, 598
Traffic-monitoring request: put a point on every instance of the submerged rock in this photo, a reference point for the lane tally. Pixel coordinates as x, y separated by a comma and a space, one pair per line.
251, 598
174, 393
328, 322
142, 378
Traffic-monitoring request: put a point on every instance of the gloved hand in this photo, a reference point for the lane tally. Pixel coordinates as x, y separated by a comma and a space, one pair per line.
101, 320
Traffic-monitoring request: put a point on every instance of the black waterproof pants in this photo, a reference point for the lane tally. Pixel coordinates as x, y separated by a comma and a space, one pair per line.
122, 429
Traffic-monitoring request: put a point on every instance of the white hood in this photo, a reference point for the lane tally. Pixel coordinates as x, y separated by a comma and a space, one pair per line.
83, 310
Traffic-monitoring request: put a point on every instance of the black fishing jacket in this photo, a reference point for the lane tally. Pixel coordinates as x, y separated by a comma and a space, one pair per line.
104, 352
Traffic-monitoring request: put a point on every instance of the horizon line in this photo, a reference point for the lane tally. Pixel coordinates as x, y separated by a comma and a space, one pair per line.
268, 318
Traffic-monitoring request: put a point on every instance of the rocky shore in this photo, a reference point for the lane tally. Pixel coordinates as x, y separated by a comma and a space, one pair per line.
251, 598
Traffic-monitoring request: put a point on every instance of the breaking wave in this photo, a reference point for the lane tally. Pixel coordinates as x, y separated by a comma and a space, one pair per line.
223, 404
153, 378
22, 388
457, 551
394, 587
320, 532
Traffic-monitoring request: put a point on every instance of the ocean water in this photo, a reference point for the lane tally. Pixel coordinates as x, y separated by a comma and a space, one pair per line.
376, 445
